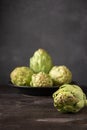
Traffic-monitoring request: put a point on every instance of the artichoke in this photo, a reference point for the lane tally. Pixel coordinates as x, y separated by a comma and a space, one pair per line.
69, 98
60, 75
41, 79
41, 61
21, 76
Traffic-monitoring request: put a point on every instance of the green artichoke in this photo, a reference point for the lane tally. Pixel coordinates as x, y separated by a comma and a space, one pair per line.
21, 76
60, 75
69, 98
41, 79
41, 61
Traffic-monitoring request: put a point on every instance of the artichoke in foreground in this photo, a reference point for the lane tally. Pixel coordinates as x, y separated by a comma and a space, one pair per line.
41, 79
41, 61
69, 98
21, 76
60, 75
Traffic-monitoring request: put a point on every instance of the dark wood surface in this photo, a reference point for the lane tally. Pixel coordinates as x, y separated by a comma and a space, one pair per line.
19, 111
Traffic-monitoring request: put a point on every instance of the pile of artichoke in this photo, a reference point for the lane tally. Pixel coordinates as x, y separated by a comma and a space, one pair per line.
41, 72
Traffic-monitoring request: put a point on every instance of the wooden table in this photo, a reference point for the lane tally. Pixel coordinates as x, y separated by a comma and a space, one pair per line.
19, 111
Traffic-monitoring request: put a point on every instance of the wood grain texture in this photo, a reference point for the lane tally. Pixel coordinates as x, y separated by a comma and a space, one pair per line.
19, 111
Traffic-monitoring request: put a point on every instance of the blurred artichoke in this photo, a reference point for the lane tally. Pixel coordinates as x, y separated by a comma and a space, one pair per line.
41, 61
69, 98
41, 79
21, 76
60, 75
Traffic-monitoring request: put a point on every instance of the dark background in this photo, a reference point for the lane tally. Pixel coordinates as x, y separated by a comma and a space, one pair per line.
59, 26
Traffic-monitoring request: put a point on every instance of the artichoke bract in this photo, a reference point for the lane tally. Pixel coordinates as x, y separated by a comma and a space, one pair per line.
41, 61
69, 98
21, 76
60, 75
41, 79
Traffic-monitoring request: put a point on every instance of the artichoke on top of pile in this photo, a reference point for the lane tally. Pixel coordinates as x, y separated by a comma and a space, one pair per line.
41, 61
